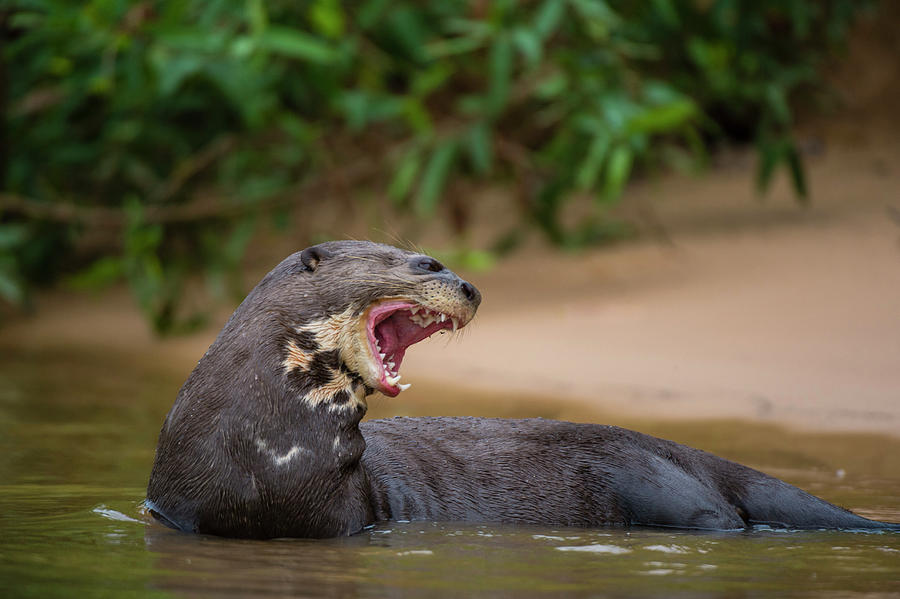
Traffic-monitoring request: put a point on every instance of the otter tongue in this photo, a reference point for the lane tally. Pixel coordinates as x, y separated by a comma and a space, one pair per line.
396, 333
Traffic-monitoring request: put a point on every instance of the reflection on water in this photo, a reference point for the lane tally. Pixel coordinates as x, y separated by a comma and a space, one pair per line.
77, 434
446, 559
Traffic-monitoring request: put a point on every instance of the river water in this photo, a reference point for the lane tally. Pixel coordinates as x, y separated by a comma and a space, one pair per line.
77, 435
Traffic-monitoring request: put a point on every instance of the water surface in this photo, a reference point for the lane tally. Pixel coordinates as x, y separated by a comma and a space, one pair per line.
77, 434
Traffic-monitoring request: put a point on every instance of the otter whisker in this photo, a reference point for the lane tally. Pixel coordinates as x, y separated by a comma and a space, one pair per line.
362, 258
372, 280
404, 278
395, 237
377, 282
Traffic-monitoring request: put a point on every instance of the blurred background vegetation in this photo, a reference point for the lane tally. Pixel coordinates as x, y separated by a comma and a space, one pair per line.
149, 141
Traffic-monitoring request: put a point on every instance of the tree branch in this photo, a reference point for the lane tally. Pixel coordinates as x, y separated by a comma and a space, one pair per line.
206, 208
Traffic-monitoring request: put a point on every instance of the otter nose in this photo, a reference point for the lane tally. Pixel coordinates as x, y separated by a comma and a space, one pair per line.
472, 294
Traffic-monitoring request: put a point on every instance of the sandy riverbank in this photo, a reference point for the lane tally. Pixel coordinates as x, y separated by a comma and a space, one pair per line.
750, 310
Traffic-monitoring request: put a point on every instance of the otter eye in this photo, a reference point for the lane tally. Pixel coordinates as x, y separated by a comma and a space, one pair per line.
430, 264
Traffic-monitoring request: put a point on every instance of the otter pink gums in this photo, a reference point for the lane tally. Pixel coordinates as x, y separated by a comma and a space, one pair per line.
264, 439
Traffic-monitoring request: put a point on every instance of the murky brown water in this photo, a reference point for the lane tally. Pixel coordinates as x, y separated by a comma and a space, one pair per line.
78, 431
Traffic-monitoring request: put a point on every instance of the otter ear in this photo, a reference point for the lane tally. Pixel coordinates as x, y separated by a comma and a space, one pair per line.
310, 257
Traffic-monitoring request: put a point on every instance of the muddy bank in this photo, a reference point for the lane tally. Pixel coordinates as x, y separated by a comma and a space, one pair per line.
749, 310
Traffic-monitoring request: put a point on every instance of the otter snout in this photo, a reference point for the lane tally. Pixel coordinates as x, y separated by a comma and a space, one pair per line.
470, 292
447, 280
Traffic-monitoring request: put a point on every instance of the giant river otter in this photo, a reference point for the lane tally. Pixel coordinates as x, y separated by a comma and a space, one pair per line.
265, 439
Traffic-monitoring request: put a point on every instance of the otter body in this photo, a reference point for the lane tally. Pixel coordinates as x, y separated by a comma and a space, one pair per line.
549, 472
265, 440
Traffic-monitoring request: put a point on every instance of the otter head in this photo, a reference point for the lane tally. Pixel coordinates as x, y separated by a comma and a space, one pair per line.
263, 439
353, 308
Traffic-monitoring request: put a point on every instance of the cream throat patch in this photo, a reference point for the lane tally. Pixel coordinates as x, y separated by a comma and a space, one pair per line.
320, 361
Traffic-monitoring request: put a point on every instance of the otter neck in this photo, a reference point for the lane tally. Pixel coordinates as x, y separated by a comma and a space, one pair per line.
315, 404
314, 371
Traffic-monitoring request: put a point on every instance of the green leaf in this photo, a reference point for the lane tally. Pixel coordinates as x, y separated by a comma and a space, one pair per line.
477, 260
256, 16
435, 177
446, 48
589, 169
328, 18
428, 80
775, 97
417, 115
242, 47
774, 151
663, 119
292, 43
355, 106
369, 13
548, 17
469, 27
101, 273
617, 109
361, 108
551, 87
770, 154
405, 176
617, 171
12, 288
499, 73
667, 13
465, 258
189, 39
13, 235
798, 175
596, 9
529, 45
173, 68
408, 30
599, 19
478, 143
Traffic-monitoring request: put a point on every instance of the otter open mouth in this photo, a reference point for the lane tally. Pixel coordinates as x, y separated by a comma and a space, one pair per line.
393, 326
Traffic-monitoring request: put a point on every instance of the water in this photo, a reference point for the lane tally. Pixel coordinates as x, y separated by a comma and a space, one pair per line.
77, 434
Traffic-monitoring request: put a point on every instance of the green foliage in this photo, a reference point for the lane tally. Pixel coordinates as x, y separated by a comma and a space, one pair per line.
12, 238
744, 62
140, 138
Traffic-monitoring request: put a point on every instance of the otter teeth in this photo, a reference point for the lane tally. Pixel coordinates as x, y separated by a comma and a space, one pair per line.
423, 320
427, 317
423, 317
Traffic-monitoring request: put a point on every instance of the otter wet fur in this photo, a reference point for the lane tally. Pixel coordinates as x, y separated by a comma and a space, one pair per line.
264, 439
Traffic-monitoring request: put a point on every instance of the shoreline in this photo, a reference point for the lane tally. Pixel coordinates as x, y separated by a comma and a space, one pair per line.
756, 311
